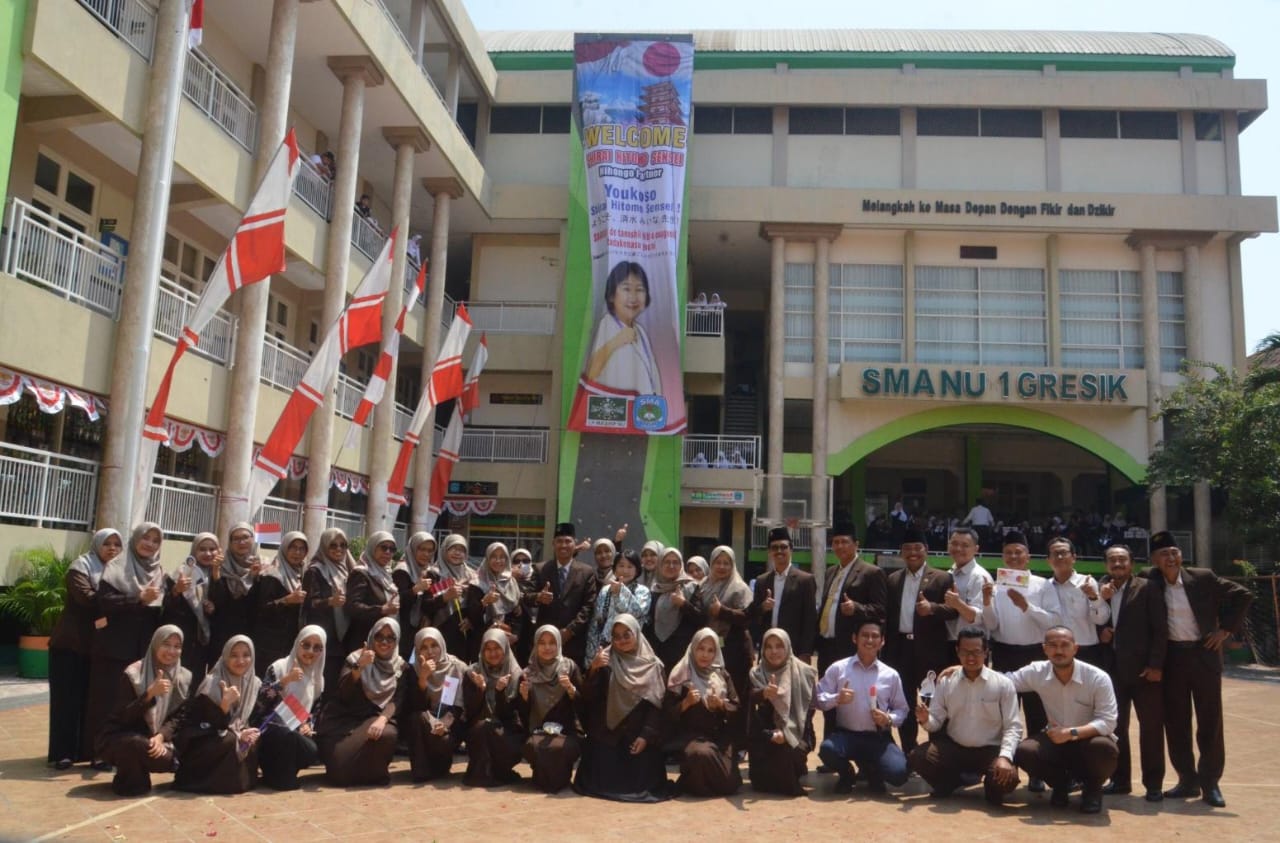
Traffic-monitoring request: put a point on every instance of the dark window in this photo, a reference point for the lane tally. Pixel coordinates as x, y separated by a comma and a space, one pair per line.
1087, 124
1012, 123
948, 122
712, 120
753, 121
978, 253
515, 119
467, 119
816, 121
555, 120
872, 121
79, 193
1208, 126
1149, 125
47, 172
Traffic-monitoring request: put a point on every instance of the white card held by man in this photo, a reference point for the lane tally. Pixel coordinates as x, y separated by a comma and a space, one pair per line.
1012, 578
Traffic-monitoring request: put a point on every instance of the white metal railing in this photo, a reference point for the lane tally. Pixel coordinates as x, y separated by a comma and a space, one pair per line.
282, 364
286, 513
437, 437
503, 444
721, 451
801, 536
132, 20
365, 236
48, 252
213, 92
46, 488
411, 274
314, 188
446, 312
513, 317
351, 523
350, 391
704, 321
401, 420
182, 507
173, 310
395, 24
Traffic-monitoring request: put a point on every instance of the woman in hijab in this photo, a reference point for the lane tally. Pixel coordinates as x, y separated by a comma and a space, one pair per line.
372, 592
675, 609
493, 598
69, 649
130, 595
216, 746
233, 582
649, 557
296, 680
623, 595
435, 730
622, 755
445, 610
419, 559
724, 599
697, 568
494, 733
702, 704
325, 583
357, 729
278, 599
188, 604
604, 552
551, 706
782, 689
138, 735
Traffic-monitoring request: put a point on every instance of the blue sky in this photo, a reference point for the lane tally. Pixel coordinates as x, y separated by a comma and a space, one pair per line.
1247, 26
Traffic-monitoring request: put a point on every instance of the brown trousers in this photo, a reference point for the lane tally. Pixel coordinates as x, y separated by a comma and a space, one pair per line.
941, 761
1091, 761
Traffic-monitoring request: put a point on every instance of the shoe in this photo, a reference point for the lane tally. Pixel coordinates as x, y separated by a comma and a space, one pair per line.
1154, 795
1114, 788
876, 786
970, 778
1035, 785
1213, 796
941, 793
1091, 803
844, 784
101, 766
1183, 790
63, 764
1060, 798
823, 768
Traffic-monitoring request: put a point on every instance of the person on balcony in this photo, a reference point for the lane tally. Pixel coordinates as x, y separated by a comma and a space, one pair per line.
622, 358
187, 605
278, 600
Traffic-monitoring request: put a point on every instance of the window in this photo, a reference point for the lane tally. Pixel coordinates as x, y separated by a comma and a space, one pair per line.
1101, 312
1149, 125
872, 121
1173, 320
514, 531
947, 122
515, 120
555, 120
1011, 123
753, 120
186, 264
798, 313
1208, 126
63, 193
712, 120
1088, 124
468, 117
816, 121
866, 313
988, 316
277, 318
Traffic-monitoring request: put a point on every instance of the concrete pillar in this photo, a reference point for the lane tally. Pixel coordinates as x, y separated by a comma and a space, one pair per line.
142, 272
482, 130
357, 73
1151, 363
453, 81
444, 191
908, 298
776, 374
1187, 145
1193, 300
821, 355
1231, 149
1052, 300
242, 386
1052, 150
407, 142
1235, 287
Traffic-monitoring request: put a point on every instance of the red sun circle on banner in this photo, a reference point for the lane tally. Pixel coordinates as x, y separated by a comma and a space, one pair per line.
661, 58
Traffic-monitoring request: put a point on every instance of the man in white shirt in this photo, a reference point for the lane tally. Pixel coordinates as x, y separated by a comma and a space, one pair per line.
867, 697
973, 726
981, 519
968, 580
786, 597
1074, 601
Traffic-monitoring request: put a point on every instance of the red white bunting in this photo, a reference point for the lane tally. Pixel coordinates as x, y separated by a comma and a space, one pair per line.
51, 398
471, 506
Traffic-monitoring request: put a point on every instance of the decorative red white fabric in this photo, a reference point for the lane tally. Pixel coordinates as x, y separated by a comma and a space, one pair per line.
390, 350
195, 35
471, 506
348, 481
359, 324
470, 398
51, 398
451, 447
444, 384
183, 436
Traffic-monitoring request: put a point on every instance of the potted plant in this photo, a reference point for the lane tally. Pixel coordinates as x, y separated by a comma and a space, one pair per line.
36, 600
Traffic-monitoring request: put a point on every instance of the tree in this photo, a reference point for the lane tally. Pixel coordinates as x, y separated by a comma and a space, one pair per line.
1225, 429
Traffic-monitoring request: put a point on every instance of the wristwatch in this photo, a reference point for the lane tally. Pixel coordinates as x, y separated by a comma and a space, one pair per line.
1075, 734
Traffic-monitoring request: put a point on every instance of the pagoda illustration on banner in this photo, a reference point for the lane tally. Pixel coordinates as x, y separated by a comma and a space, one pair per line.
660, 103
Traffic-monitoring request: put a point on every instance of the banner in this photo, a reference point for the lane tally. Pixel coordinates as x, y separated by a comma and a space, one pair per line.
631, 112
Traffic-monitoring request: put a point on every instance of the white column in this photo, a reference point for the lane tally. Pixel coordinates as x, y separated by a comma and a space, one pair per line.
776, 373
1192, 308
1151, 362
821, 355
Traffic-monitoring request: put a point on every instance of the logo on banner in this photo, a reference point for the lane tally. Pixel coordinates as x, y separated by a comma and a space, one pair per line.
650, 412
604, 411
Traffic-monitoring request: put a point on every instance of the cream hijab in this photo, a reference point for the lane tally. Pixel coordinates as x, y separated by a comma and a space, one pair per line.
508, 666
280, 569
379, 575
381, 676
731, 591
417, 572
334, 573
504, 583
796, 682
713, 680
248, 684
130, 572
666, 615
461, 572
145, 671
311, 685
237, 570
446, 666
545, 691
633, 676
90, 562
645, 577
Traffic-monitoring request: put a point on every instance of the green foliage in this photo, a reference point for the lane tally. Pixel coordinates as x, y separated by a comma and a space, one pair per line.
38, 596
356, 548
1225, 429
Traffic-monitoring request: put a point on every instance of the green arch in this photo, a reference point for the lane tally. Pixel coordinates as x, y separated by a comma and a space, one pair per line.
1047, 423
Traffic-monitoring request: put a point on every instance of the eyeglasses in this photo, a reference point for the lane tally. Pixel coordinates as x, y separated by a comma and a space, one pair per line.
338, 546
1061, 554
389, 548
311, 648
622, 634
779, 547
384, 639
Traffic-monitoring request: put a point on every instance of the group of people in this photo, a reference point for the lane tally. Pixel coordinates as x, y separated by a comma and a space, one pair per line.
599, 675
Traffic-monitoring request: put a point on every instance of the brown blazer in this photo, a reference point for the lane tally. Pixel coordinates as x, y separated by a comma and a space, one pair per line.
1141, 637
867, 586
931, 642
798, 612
1216, 603
569, 608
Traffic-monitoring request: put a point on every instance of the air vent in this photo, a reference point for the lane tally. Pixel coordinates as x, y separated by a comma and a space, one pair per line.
978, 253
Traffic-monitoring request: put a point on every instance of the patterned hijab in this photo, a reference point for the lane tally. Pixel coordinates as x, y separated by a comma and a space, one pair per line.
381, 676
131, 572
731, 591
712, 680
446, 665
545, 691
280, 569
633, 676
198, 591
666, 615
504, 583
145, 671
507, 666
334, 573
249, 684
379, 575
796, 682
311, 685
90, 562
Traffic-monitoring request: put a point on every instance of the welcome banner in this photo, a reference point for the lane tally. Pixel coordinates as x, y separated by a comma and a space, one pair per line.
631, 109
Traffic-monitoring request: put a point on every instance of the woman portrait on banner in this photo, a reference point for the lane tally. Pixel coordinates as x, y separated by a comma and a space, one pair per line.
622, 356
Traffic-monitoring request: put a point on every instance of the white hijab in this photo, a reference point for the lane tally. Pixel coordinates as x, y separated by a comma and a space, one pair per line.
311, 685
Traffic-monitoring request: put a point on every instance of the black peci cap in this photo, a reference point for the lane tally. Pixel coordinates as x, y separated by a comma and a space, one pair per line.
779, 534
565, 528
844, 528
1015, 537
1161, 540
914, 535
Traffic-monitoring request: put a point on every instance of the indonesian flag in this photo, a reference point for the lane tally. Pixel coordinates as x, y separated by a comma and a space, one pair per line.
292, 713
255, 252
470, 398
390, 350
445, 383
451, 445
195, 35
360, 324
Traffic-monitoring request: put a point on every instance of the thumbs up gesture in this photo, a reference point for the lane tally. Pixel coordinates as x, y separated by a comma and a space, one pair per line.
845, 695
923, 607
366, 658
230, 696
766, 605
678, 599
545, 596
620, 535
294, 675
771, 690
953, 598
847, 606
524, 687
160, 686
714, 607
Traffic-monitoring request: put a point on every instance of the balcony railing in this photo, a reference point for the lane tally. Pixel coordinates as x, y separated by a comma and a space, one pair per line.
282, 364
401, 422
288, 514
704, 321
801, 536
45, 488
133, 21
503, 444
213, 92
182, 507
173, 310
350, 391
314, 188
41, 249
351, 523
722, 451
365, 236
513, 317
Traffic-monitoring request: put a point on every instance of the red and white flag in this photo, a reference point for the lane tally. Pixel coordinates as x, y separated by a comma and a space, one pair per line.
451, 445
390, 350
292, 713
359, 324
195, 35
444, 384
255, 252
470, 398
267, 532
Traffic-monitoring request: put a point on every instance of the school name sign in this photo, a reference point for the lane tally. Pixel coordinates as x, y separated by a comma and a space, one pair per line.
993, 385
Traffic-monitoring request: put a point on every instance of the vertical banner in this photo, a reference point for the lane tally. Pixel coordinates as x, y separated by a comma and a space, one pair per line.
631, 109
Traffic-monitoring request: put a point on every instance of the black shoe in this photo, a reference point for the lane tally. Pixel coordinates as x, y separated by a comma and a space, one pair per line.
1091, 803
1114, 788
844, 784
102, 766
1213, 796
823, 768
1060, 798
1154, 795
63, 764
1035, 785
1183, 790
877, 786
941, 793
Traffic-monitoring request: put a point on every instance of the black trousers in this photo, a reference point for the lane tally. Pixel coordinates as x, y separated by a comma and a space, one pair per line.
1147, 698
1193, 677
913, 665
69, 736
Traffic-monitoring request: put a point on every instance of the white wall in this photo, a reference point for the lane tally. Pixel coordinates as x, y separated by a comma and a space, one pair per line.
835, 161
731, 160
1121, 166
527, 159
519, 269
980, 163
1211, 167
